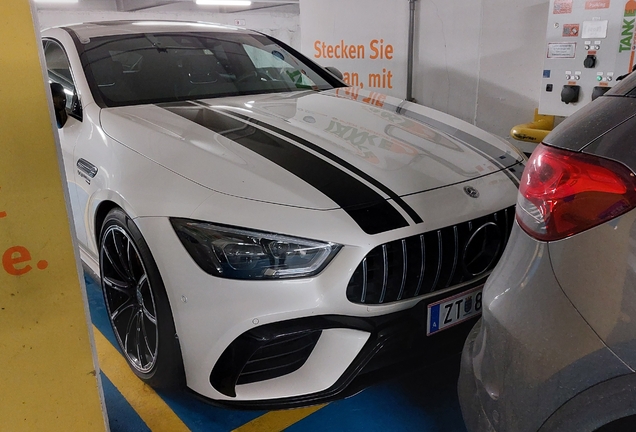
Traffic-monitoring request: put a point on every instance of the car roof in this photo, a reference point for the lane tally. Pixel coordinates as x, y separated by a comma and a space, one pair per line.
626, 87
116, 28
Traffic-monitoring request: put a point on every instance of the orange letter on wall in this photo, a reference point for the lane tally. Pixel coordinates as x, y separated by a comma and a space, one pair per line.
13, 256
317, 48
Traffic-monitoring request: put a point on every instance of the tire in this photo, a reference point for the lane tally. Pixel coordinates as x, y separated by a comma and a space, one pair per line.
625, 424
137, 304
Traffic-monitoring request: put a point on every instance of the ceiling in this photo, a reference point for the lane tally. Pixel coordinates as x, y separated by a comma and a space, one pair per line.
165, 6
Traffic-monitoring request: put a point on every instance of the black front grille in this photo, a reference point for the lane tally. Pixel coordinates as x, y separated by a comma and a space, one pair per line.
278, 357
432, 261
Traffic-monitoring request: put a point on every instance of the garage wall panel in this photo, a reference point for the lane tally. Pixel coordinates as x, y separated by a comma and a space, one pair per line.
480, 61
447, 63
512, 51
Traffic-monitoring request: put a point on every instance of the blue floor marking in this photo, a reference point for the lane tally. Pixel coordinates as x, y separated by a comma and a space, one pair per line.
121, 416
424, 401
197, 415
97, 308
202, 417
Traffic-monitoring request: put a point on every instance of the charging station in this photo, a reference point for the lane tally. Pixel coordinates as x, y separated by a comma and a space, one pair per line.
589, 47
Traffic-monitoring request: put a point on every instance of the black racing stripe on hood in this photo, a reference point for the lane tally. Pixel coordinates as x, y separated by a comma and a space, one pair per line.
372, 212
394, 196
495, 155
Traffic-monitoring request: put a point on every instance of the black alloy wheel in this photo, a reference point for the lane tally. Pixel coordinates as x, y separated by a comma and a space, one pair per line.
129, 299
137, 304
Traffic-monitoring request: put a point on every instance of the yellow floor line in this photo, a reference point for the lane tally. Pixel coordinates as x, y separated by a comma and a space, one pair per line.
157, 414
141, 397
276, 421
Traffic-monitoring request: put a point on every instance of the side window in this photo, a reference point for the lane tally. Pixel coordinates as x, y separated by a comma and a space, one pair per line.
59, 71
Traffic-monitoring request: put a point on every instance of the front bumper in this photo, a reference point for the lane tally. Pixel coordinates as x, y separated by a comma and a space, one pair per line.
532, 351
223, 324
397, 344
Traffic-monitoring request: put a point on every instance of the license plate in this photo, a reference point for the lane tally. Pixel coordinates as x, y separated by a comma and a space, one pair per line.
454, 310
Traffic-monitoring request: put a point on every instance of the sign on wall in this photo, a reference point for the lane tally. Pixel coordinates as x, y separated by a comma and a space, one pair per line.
366, 40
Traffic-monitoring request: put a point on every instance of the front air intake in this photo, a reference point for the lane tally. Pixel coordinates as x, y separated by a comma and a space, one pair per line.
279, 357
264, 353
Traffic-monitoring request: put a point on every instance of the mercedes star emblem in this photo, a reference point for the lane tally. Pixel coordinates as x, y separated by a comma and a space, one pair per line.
471, 191
482, 249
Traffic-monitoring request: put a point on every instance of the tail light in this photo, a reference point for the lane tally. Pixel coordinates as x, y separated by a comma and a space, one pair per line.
563, 193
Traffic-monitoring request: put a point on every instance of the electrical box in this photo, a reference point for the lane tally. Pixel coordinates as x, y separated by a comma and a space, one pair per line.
589, 45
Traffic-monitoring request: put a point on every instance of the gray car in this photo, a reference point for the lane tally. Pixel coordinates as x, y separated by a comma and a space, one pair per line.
555, 349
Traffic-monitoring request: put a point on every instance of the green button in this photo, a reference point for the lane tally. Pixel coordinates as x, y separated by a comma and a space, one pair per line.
599, 78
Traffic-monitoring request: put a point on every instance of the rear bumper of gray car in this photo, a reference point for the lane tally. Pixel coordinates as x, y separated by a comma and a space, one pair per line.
531, 352
467, 388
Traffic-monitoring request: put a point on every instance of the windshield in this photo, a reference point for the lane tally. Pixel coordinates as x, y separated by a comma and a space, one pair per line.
163, 67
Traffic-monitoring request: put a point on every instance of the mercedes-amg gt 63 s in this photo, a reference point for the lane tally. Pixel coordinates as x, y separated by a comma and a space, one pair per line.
264, 234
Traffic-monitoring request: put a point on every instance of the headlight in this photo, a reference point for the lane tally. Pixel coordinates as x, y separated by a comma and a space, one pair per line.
240, 254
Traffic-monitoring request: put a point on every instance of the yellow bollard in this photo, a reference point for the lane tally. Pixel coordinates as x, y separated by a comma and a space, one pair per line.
535, 131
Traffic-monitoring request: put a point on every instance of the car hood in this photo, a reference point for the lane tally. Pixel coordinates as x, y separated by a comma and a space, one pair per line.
303, 148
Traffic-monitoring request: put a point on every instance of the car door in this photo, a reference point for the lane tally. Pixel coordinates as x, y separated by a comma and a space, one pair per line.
59, 71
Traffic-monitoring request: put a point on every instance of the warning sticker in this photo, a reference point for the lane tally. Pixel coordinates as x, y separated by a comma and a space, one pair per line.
597, 4
571, 30
562, 6
594, 29
561, 50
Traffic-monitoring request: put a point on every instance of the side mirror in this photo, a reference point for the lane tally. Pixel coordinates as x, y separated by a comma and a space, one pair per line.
335, 72
59, 104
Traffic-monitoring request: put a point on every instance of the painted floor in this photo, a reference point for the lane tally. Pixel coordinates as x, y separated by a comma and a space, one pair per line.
425, 401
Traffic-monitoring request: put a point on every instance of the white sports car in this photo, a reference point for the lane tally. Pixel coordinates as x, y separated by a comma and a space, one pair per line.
265, 234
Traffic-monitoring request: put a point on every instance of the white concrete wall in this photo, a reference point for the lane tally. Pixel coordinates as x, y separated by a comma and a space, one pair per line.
282, 25
481, 60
